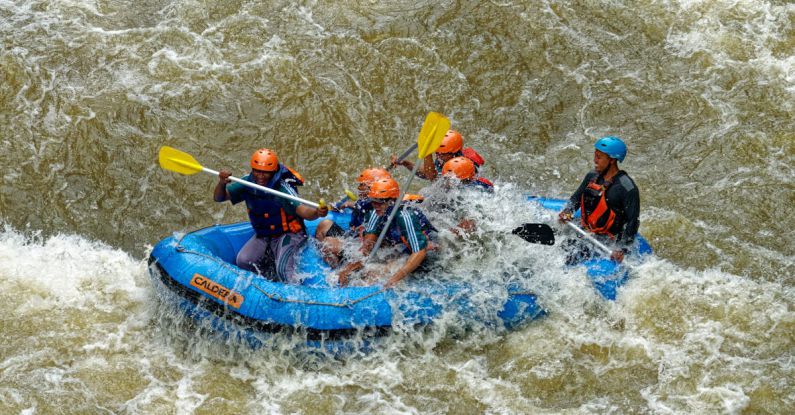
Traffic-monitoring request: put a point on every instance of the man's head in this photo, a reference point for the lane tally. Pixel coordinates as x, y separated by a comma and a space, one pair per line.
264, 165
608, 150
368, 177
460, 168
452, 143
383, 193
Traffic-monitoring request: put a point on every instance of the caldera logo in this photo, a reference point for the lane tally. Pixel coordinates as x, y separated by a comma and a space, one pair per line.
217, 290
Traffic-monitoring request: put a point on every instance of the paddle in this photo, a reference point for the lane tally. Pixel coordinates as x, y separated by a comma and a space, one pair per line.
183, 163
605, 250
542, 233
430, 138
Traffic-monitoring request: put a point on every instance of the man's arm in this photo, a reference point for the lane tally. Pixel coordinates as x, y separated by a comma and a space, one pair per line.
303, 211
428, 170
220, 194
411, 264
574, 201
632, 218
311, 213
367, 246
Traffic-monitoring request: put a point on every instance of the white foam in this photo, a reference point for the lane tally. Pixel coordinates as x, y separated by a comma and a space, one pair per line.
69, 270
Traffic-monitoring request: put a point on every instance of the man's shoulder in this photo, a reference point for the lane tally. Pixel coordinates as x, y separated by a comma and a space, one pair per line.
626, 182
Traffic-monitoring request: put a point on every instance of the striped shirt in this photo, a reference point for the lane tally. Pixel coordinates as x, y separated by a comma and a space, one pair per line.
405, 228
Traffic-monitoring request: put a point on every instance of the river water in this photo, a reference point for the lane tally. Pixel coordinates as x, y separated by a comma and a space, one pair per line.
703, 91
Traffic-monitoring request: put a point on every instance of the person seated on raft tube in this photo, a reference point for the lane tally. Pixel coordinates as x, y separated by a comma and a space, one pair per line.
459, 172
452, 146
406, 228
329, 234
279, 230
609, 202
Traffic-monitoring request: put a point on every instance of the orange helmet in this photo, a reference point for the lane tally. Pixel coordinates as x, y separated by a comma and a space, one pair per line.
370, 175
462, 167
451, 143
265, 160
386, 188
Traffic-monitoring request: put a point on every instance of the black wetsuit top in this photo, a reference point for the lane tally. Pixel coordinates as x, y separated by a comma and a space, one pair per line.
622, 197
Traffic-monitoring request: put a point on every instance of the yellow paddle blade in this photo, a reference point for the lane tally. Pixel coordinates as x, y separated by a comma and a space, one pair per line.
351, 195
432, 133
183, 163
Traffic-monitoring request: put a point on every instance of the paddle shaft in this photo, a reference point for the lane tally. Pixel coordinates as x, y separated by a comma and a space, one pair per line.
607, 251
394, 212
402, 156
265, 189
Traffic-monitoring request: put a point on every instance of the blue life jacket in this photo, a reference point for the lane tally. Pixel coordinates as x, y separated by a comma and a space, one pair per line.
359, 212
266, 211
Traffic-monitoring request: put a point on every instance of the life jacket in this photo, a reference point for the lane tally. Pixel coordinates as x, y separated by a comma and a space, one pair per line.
473, 155
265, 211
601, 218
484, 183
359, 212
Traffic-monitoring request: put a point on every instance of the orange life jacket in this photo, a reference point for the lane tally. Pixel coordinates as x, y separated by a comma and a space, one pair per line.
602, 217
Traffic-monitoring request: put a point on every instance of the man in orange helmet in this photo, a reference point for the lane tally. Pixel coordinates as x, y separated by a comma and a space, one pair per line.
407, 228
452, 146
460, 173
329, 233
278, 223
465, 171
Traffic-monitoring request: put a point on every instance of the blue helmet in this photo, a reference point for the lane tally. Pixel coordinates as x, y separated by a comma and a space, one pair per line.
612, 146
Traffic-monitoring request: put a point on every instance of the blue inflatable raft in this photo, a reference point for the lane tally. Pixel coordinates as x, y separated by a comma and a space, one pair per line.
196, 271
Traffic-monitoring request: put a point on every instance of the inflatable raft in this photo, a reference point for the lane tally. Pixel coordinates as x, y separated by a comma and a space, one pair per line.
196, 271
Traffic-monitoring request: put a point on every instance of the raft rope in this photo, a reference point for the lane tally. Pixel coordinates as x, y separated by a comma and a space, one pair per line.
345, 304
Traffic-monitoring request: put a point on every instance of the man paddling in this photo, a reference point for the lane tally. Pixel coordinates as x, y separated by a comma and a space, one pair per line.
329, 234
407, 229
278, 223
459, 178
609, 202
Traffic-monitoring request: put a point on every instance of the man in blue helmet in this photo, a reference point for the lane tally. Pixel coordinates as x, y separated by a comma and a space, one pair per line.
608, 200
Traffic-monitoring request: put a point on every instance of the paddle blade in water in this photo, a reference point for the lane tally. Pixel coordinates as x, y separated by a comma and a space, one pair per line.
178, 161
537, 233
432, 133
